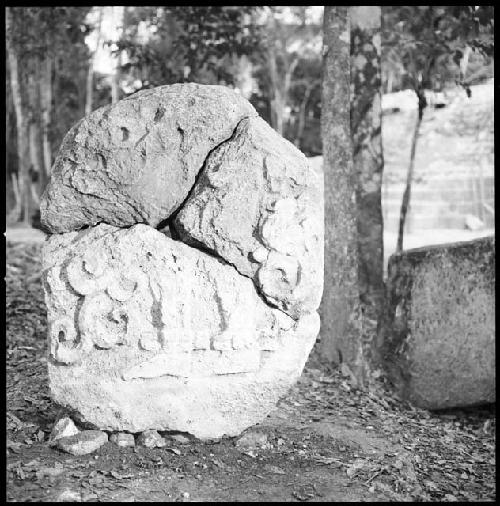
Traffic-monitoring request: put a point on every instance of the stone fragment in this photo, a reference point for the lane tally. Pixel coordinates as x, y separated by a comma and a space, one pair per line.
258, 205
190, 348
83, 443
439, 336
179, 438
252, 440
50, 472
122, 439
151, 439
135, 161
63, 428
68, 495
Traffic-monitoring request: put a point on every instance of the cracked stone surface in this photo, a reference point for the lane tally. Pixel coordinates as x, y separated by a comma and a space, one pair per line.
259, 205
137, 319
203, 334
135, 161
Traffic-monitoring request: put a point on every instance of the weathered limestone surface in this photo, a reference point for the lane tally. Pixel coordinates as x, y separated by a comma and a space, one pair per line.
149, 333
258, 205
440, 329
135, 161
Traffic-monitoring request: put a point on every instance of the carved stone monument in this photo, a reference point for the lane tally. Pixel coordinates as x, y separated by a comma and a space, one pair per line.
202, 334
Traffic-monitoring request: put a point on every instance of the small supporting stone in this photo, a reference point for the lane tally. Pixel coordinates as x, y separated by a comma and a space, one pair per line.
151, 439
83, 443
63, 428
123, 439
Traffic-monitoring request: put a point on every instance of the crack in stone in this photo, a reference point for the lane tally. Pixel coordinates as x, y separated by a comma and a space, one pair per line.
170, 220
193, 243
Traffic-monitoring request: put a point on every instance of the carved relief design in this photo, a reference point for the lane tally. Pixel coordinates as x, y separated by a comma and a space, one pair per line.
101, 322
63, 345
279, 231
89, 274
121, 288
279, 275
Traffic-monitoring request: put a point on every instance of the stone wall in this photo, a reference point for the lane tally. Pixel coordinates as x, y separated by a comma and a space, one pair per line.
439, 330
454, 162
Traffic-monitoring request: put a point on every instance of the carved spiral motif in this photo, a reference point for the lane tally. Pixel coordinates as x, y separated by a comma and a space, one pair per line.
102, 322
88, 274
121, 288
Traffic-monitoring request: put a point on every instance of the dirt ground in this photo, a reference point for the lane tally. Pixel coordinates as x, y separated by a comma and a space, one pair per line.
326, 441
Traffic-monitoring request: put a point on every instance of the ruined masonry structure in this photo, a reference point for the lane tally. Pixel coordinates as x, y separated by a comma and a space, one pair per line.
203, 333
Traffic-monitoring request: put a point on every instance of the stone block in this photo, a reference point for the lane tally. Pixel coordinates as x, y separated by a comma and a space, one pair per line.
135, 161
148, 333
439, 333
199, 326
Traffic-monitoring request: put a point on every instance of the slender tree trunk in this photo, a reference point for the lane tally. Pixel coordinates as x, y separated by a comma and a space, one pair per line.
390, 81
279, 109
278, 87
23, 178
405, 203
90, 75
302, 114
464, 63
276, 102
18, 205
33, 113
339, 306
279, 92
46, 94
115, 84
366, 117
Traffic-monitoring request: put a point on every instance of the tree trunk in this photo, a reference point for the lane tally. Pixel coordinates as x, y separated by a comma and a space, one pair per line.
33, 113
405, 203
351, 109
90, 75
339, 306
276, 102
23, 179
302, 114
46, 95
278, 108
16, 212
115, 83
366, 116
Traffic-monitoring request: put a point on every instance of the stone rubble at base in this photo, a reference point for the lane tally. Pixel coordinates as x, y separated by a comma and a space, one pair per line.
83, 443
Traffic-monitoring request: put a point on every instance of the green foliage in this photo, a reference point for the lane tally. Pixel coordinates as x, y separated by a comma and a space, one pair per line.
187, 43
288, 73
166, 45
46, 32
56, 33
306, 85
424, 45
